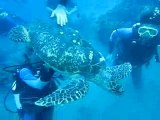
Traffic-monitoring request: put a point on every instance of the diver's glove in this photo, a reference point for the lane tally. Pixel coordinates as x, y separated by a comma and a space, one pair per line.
46, 73
61, 13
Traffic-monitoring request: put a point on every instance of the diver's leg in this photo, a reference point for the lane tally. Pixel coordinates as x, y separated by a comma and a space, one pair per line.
46, 114
29, 116
137, 77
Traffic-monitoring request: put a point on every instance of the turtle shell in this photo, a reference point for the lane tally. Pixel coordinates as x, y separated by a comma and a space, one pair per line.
63, 49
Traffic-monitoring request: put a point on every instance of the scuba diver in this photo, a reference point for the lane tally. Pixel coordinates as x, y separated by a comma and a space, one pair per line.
31, 83
60, 11
137, 44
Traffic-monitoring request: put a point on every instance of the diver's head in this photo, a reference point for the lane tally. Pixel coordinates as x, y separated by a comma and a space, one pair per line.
145, 33
150, 22
150, 15
148, 28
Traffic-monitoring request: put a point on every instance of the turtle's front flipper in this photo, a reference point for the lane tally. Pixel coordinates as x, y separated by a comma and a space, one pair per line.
19, 34
71, 92
110, 78
118, 73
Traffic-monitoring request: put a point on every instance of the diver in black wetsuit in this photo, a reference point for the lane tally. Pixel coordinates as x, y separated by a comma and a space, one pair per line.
33, 82
137, 44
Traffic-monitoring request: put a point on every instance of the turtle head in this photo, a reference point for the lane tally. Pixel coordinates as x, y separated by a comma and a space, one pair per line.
19, 34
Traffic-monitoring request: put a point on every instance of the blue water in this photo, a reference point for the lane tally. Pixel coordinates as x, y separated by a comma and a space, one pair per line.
95, 19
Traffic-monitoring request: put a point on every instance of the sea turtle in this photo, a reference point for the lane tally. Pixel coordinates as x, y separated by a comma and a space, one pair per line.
63, 49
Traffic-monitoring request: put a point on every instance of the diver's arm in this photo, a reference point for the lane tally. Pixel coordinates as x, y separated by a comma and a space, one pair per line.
119, 36
112, 41
69, 4
111, 47
50, 6
63, 2
27, 77
53, 3
116, 40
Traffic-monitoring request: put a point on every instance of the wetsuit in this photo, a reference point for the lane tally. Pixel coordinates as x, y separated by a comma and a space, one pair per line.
126, 46
30, 93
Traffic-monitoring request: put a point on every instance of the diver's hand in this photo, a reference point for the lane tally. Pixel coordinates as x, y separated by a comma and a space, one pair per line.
46, 73
61, 13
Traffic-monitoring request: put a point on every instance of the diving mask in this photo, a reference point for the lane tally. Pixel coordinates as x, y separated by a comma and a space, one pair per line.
147, 31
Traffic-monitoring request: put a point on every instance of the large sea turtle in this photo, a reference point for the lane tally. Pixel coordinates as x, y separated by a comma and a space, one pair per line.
63, 49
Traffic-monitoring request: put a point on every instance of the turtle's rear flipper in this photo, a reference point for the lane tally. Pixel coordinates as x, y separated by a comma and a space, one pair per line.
110, 78
71, 92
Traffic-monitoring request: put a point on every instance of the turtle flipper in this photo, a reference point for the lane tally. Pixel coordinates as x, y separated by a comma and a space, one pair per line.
19, 34
71, 92
110, 78
119, 72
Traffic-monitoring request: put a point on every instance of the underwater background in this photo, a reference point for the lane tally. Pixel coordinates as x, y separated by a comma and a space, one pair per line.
95, 19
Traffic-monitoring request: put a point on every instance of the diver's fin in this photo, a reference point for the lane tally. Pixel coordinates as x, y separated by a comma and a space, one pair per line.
71, 92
